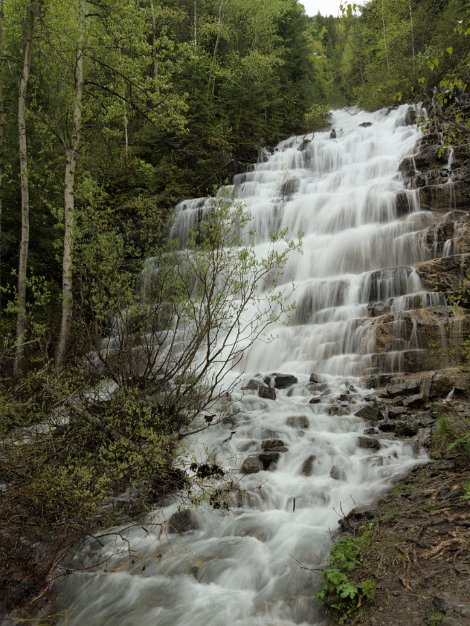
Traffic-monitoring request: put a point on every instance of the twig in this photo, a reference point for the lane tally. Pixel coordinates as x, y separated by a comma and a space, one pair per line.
308, 569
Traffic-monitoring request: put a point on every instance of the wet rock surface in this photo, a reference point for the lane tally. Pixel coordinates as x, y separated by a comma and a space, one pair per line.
307, 466
267, 393
283, 381
182, 522
300, 421
251, 465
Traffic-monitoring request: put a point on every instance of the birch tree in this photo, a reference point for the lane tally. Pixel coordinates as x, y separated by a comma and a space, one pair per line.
71, 154
31, 12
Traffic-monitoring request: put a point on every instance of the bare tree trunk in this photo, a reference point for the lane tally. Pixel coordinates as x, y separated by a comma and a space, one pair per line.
216, 47
24, 178
385, 36
412, 34
2, 134
71, 154
126, 135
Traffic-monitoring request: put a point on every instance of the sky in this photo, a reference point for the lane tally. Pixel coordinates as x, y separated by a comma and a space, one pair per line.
326, 7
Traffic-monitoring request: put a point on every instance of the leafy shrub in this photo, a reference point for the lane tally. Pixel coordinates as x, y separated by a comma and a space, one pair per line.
317, 117
338, 591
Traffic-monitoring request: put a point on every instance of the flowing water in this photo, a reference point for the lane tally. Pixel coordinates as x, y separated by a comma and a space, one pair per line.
243, 567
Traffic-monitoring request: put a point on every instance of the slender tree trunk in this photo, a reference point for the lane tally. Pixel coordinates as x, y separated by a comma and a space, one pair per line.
216, 47
71, 154
24, 179
2, 134
195, 23
385, 36
412, 34
126, 135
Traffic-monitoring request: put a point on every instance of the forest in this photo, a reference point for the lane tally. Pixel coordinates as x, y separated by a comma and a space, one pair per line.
112, 112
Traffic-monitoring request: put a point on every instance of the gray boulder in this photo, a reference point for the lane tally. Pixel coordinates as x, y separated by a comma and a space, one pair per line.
300, 421
251, 465
182, 522
369, 443
268, 393
307, 466
369, 413
269, 459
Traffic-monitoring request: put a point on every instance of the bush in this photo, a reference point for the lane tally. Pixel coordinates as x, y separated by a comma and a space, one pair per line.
317, 118
339, 592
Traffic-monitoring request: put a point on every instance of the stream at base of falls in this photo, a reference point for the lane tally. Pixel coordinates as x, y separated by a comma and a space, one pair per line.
307, 458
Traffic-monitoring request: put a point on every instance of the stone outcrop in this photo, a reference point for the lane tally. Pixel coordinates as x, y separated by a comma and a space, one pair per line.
426, 330
446, 273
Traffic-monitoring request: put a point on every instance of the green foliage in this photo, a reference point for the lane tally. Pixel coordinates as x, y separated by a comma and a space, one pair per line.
436, 619
400, 50
461, 444
339, 592
451, 435
316, 118
466, 495
460, 297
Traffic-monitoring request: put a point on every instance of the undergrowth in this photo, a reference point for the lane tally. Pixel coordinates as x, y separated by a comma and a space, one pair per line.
339, 592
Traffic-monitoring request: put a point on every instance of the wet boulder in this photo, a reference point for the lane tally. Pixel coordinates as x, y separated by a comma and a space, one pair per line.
307, 465
369, 413
268, 393
365, 124
387, 427
289, 187
276, 445
339, 409
314, 378
251, 465
182, 522
407, 167
283, 381
315, 400
406, 430
336, 473
269, 459
252, 385
300, 421
410, 117
368, 443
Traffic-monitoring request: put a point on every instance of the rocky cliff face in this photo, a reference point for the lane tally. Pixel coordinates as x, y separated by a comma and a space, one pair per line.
433, 327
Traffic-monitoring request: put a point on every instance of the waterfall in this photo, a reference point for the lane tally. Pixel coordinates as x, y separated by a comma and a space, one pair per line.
307, 457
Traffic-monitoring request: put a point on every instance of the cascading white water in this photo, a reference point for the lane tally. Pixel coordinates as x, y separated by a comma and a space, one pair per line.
242, 568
